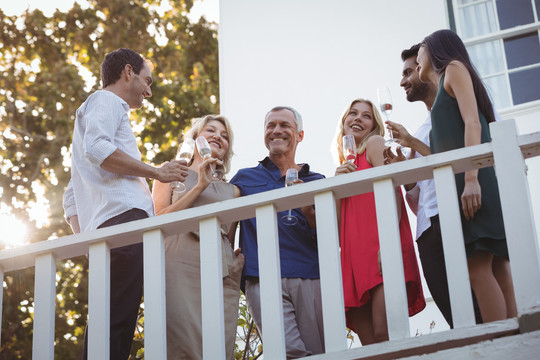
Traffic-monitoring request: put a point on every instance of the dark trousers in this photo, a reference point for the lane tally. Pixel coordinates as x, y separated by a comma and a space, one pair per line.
430, 248
126, 290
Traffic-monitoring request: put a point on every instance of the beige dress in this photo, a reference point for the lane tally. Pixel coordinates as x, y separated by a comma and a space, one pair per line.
183, 284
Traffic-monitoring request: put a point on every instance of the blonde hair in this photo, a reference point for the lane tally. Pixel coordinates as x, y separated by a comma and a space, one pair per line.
378, 129
198, 124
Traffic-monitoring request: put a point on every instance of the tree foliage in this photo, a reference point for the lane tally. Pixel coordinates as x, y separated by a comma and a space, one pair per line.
41, 62
48, 67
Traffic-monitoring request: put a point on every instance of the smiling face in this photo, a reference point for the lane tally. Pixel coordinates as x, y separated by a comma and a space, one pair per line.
280, 133
359, 121
139, 86
217, 136
410, 82
424, 64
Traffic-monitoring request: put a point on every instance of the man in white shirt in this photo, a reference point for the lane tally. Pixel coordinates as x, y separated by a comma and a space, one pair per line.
108, 185
421, 196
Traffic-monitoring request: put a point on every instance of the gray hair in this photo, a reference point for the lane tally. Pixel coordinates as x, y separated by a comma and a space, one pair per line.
297, 116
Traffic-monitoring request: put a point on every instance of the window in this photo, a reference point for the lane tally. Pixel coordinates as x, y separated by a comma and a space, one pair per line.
502, 37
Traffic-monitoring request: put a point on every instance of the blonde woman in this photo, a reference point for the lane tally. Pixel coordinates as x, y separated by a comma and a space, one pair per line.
182, 251
362, 277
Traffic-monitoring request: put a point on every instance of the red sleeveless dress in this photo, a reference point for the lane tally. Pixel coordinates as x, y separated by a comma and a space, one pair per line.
359, 246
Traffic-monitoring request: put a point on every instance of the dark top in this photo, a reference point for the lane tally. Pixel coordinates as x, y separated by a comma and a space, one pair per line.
297, 243
486, 230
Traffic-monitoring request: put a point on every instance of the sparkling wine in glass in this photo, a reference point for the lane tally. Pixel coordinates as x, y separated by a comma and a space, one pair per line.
349, 148
290, 177
385, 104
205, 151
184, 153
385, 101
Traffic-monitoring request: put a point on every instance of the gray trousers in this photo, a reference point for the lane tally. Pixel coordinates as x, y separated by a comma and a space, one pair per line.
302, 314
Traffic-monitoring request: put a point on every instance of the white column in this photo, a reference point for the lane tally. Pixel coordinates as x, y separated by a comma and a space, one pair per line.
155, 336
455, 257
99, 289
517, 213
335, 335
395, 293
212, 290
44, 303
270, 282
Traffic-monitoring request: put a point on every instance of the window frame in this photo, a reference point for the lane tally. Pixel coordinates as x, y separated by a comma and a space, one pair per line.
499, 36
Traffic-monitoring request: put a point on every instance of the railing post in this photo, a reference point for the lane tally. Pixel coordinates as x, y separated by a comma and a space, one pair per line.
1, 299
99, 295
212, 289
517, 214
270, 282
455, 258
392, 260
335, 335
155, 335
44, 303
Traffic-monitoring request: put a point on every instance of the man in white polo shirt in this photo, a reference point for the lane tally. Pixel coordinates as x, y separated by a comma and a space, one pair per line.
108, 182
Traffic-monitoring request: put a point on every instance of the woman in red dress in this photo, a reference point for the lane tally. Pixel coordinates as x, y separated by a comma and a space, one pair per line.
360, 260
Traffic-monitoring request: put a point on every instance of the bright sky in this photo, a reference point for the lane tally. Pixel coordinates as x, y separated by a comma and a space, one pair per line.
11, 7
210, 8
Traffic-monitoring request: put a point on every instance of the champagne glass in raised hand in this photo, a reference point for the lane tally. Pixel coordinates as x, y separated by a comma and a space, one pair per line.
206, 151
385, 104
349, 148
290, 177
184, 153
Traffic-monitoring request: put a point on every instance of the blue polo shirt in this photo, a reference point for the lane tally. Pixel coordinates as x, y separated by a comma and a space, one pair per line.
297, 243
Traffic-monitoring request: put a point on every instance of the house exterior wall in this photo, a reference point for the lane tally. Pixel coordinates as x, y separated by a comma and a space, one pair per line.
317, 56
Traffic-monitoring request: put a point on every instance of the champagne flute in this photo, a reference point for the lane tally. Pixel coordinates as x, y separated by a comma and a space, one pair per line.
290, 177
349, 148
184, 153
385, 104
206, 151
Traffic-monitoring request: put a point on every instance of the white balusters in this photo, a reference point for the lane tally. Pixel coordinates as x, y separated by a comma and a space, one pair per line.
454, 248
155, 337
270, 282
517, 213
99, 289
335, 336
395, 298
212, 290
1, 294
44, 303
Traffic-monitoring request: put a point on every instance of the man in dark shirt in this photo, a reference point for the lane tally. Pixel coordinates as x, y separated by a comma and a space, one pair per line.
302, 311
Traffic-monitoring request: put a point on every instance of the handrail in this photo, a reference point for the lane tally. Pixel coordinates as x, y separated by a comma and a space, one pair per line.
188, 220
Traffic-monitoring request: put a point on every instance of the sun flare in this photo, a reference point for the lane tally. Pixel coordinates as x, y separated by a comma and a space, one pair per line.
14, 231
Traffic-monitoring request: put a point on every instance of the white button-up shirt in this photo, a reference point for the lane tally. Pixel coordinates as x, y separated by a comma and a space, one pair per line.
94, 194
423, 197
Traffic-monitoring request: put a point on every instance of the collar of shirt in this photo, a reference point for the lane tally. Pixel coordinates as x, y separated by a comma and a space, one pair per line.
273, 170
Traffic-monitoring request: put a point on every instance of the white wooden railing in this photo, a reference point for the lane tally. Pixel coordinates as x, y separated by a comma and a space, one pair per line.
507, 152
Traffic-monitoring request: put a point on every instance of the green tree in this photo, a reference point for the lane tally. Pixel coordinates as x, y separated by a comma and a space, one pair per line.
42, 63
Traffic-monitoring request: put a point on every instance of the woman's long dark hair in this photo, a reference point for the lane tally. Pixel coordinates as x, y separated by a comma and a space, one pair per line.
443, 47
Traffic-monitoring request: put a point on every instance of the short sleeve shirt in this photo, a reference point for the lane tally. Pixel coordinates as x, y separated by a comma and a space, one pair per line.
297, 243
